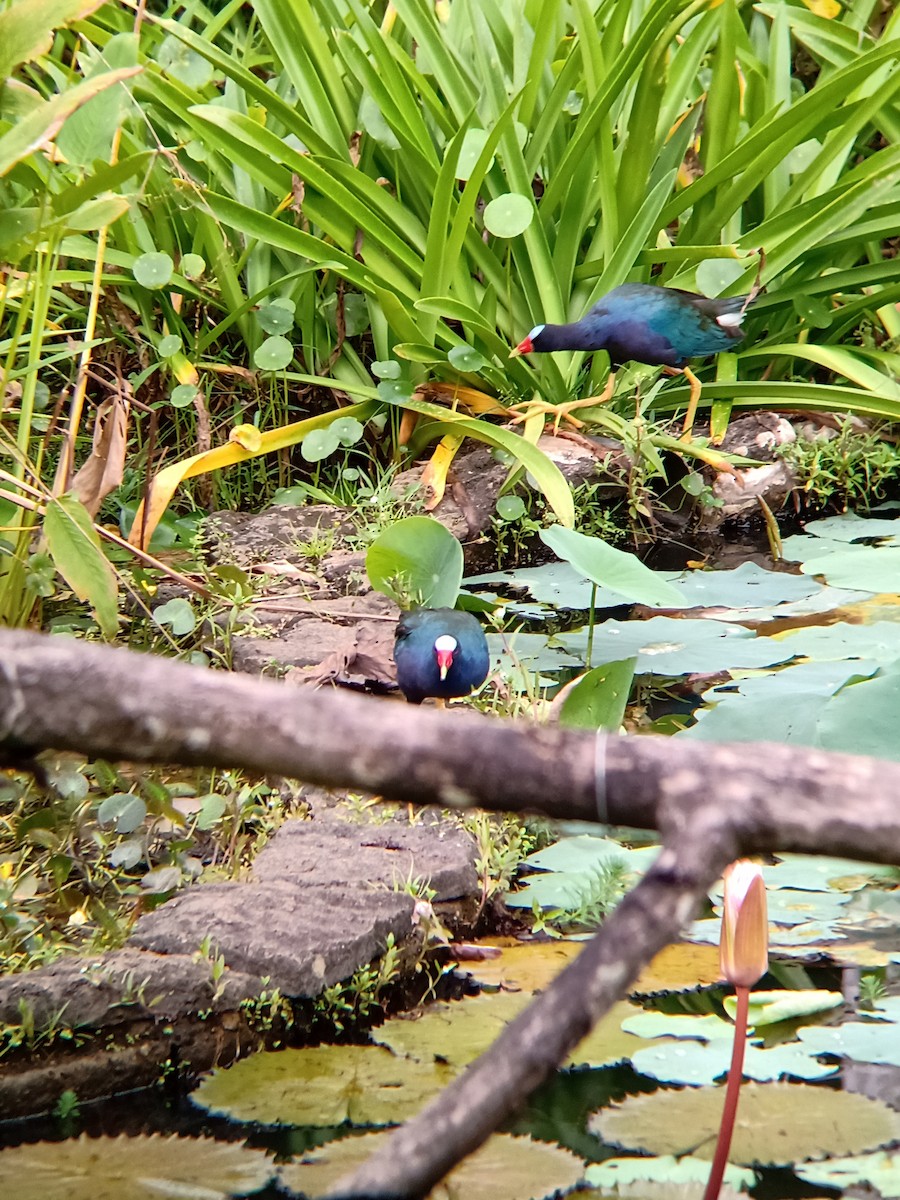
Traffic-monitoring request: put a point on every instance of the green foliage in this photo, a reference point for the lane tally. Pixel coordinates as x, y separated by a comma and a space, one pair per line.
851, 469
416, 562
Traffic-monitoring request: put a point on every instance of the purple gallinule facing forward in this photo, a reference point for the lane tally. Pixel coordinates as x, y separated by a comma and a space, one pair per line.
439, 652
640, 322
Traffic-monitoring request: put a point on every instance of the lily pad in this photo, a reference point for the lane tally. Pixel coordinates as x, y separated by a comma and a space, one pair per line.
458, 1032
616, 569
679, 968
777, 1123
133, 1168
523, 966
322, 1085
850, 527
454, 1033
863, 1041
614, 1172
872, 568
655, 1024
531, 966
809, 872
669, 646
699, 1064
879, 1172
557, 584
768, 1008
608, 1042
504, 1168
746, 586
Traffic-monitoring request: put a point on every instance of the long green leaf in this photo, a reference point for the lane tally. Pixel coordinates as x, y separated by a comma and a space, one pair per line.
74, 546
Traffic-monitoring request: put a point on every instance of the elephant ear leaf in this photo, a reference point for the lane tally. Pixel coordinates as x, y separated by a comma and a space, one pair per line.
74, 546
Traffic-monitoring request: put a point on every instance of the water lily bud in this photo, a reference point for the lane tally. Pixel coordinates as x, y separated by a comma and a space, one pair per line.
744, 942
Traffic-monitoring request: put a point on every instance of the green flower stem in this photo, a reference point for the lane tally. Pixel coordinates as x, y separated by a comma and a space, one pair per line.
591, 619
732, 1092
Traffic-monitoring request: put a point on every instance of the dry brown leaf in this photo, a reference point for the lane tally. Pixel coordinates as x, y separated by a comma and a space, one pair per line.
103, 469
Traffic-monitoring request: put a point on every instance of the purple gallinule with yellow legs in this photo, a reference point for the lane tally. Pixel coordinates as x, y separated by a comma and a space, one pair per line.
440, 652
640, 322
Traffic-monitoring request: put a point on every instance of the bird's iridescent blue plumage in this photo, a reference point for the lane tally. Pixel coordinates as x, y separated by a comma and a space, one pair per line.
641, 322
418, 672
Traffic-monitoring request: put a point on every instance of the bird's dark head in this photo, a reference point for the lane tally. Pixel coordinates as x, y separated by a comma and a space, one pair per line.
444, 648
529, 344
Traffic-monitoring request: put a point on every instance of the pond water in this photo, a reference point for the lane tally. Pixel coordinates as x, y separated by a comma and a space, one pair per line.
810, 657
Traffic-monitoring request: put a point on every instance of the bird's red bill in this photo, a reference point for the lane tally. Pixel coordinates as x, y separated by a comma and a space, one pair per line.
444, 661
524, 347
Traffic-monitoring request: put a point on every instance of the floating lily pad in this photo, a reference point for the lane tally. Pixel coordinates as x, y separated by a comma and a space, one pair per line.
670, 646
133, 1168
655, 1024
455, 1032
458, 1032
699, 1064
777, 1123
679, 968
608, 1042
879, 641
504, 1168
863, 1041
768, 1008
557, 584
613, 568
531, 966
809, 872
746, 586
523, 966
322, 1085
850, 527
587, 852
871, 568
614, 1172
876, 1172
571, 866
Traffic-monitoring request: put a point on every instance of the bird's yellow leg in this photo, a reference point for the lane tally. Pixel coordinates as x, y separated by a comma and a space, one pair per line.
562, 412
693, 399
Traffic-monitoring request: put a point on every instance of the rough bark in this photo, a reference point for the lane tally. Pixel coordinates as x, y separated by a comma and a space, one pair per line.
711, 803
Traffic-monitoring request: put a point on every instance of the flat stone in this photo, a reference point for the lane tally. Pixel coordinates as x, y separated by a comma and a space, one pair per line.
303, 939
325, 853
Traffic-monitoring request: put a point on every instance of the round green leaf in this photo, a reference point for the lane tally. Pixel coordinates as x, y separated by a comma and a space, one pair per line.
416, 561
464, 358
274, 354
168, 345
153, 270
386, 370
277, 317
183, 395
183, 63
510, 508
319, 443
178, 615
347, 430
472, 146
714, 275
509, 215
127, 810
192, 265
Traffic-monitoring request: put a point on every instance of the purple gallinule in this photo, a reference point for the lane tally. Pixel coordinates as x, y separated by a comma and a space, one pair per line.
439, 652
640, 322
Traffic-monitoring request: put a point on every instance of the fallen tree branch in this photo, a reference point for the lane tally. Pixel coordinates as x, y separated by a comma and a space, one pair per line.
711, 803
